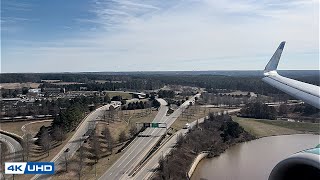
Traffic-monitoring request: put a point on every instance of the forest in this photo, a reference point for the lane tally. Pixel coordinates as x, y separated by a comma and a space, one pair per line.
215, 134
147, 81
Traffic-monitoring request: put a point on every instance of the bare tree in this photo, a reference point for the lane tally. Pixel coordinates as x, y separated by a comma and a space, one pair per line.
108, 139
122, 136
95, 150
58, 133
162, 162
133, 130
80, 160
180, 139
26, 145
283, 110
3, 155
45, 141
104, 116
111, 113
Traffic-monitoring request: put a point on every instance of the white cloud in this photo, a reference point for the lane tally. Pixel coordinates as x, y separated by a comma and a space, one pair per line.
15, 5
184, 35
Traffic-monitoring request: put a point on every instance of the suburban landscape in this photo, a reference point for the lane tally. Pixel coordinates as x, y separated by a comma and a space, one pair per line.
100, 126
159, 90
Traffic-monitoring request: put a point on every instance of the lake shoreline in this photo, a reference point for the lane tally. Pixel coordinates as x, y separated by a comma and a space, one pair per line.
215, 165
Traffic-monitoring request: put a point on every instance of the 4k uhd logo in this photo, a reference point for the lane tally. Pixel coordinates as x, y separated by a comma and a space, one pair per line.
29, 168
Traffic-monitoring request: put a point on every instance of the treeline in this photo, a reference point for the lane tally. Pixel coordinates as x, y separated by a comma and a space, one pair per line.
301, 112
66, 77
67, 120
176, 102
223, 99
166, 94
213, 82
137, 105
114, 82
52, 107
215, 135
136, 84
49, 137
258, 110
305, 109
155, 81
70, 118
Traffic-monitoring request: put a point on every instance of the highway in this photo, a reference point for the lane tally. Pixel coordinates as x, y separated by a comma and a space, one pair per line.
148, 168
74, 143
139, 148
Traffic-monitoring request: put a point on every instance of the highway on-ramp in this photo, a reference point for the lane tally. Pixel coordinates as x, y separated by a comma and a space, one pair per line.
74, 143
14, 150
13, 145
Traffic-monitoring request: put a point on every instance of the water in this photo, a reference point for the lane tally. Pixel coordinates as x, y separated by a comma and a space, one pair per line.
253, 160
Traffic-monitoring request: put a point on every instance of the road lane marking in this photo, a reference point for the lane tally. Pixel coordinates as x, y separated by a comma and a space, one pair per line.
131, 151
154, 131
139, 151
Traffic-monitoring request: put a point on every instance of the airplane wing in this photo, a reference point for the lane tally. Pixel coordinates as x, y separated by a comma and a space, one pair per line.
306, 92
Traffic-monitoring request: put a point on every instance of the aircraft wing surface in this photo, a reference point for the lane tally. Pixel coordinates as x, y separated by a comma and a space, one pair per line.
307, 92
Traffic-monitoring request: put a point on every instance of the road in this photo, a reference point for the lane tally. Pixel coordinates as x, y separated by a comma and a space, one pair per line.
140, 147
148, 168
13, 145
14, 148
23, 128
74, 143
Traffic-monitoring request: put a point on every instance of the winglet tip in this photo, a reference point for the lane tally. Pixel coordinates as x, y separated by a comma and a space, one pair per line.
281, 46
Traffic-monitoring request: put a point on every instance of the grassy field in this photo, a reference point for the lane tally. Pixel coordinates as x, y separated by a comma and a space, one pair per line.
261, 128
15, 127
128, 119
124, 95
19, 85
33, 128
299, 126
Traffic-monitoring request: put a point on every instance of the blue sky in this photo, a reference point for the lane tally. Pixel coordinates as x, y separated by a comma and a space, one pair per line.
155, 35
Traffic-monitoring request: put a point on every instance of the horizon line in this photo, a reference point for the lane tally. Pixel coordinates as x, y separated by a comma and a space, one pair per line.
147, 71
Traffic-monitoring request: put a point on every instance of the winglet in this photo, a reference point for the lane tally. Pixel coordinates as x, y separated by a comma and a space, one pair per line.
274, 61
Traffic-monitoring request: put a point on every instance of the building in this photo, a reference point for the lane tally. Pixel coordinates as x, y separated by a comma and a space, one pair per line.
51, 90
36, 91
